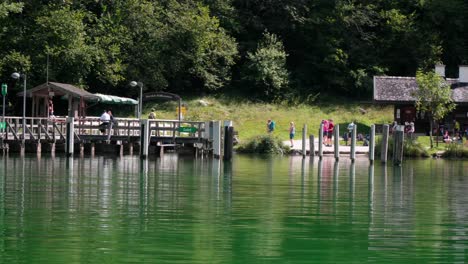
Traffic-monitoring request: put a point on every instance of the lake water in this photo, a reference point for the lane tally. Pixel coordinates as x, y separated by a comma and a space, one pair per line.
253, 210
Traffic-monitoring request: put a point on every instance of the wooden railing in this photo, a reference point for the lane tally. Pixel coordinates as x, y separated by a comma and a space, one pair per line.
53, 129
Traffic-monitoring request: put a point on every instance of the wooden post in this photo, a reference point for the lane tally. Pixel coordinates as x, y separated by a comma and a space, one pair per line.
320, 143
372, 144
312, 145
69, 146
352, 153
304, 134
384, 147
228, 140
336, 141
398, 140
217, 139
144, 138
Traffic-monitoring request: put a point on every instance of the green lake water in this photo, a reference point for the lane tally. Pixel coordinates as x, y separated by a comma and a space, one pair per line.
253, 210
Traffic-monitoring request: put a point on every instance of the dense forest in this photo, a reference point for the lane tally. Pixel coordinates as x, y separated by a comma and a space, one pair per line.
263, 49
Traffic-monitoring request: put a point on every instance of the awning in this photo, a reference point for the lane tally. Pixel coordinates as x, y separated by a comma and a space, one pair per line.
112, 99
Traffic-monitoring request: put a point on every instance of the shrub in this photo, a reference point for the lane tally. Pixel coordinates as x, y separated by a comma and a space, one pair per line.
455, 150
264, 144
411, 148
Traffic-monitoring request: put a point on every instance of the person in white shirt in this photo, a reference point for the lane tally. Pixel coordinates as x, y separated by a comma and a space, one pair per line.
105, 120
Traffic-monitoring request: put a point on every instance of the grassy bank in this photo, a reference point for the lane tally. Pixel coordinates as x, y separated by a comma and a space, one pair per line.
250, 118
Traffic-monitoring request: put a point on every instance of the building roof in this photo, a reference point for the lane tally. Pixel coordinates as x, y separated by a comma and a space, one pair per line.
395, 89
59, 89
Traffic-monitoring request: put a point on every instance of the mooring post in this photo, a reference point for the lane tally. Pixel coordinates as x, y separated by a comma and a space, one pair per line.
352, 153
336, 141
144, 138
69, 146
384, 147
320, 142
304, 135
372, 144
398, 140
228, 140
312, 145
217, 139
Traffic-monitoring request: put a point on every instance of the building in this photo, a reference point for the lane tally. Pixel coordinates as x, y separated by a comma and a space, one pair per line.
397, 91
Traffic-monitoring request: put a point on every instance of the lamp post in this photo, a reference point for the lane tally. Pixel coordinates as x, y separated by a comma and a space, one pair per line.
16, 76
140, 103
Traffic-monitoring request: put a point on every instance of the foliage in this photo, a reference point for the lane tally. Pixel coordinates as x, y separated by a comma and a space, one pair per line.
266, 67
411, 148
264, 144
455, 150
291, 52
433, 96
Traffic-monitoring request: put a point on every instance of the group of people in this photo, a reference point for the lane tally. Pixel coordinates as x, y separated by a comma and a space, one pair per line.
458, 134
328, 128
271, 125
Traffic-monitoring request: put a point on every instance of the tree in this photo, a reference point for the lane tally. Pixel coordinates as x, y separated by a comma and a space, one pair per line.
433, 96
266, 67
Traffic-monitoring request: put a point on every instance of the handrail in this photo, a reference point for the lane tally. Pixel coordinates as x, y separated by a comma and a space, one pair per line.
52, 129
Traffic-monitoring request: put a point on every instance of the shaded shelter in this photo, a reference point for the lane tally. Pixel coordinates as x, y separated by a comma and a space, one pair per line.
76, 97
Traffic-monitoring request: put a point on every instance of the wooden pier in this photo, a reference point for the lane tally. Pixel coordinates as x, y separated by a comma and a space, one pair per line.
123, 135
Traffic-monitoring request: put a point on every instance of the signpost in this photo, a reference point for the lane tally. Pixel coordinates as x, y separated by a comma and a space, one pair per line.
3, 123
187, 129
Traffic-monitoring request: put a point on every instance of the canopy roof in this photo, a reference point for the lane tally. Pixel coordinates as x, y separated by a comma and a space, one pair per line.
59, 89
112, 99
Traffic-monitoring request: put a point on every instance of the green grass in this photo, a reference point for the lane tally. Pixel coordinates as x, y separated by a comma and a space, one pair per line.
250, 118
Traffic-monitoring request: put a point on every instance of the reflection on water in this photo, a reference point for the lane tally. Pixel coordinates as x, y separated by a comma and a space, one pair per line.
253, 209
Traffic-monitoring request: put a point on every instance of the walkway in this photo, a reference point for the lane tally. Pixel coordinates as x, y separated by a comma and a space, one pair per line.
327, 150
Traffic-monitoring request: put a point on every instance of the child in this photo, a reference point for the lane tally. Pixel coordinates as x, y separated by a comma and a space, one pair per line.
292, 132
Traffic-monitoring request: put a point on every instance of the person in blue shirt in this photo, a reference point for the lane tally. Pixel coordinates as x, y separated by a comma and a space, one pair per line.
270, 126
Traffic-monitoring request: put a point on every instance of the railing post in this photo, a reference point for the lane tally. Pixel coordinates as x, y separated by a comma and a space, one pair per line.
320, 142
372, 144
384, 147
312, 146
304, 135
69, 145
217, 139
352, 153
336, 140
144, 138
228, 140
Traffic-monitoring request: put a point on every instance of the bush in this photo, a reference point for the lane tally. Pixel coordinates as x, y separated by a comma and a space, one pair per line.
264, 144
411, 148
455, 150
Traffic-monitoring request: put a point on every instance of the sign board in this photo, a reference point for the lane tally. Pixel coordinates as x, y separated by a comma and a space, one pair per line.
183, 110
4, 89
187, 129
2, 125
160, 95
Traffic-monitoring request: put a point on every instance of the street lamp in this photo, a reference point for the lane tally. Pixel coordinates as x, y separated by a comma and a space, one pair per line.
16, 76
140, 103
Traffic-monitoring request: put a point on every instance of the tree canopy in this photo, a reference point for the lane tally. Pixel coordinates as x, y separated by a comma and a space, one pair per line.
275, 47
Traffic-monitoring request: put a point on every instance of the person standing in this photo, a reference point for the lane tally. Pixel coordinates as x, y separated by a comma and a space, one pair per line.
325, 132
270, 126
152, 115
51, 108
350, 130
292, 133
331, 127
411, 130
